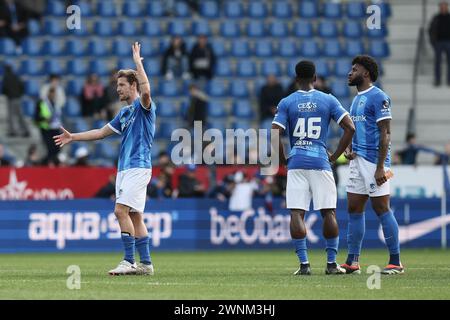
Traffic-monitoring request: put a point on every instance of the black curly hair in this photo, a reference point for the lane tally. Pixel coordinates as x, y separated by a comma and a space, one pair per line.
369, 64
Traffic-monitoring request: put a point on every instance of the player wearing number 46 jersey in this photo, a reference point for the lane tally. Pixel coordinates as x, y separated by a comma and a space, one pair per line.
306, 115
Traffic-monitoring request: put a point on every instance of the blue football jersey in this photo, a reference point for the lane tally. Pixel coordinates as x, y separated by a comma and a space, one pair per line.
306, 116
367, 109
137, 127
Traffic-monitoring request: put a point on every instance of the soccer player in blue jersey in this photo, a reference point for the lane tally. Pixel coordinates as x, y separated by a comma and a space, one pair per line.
306, 115
369, 156
136, 124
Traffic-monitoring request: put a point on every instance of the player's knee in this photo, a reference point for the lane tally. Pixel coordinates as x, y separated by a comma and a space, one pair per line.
380, 208
354, 208
120, 213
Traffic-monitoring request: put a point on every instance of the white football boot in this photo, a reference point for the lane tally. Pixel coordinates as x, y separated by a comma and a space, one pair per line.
124, 268
145, 269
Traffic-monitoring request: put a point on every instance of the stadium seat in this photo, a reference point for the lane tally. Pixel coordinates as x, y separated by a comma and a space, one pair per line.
270, 67
240, 48
310, 49
99, 67
219, 124
246, 68
217, 88
169, 88
229, 29
201, 27
105, 9
155, 152
75, 47
99, 123
257, 10
31, 47
328, 29
54, 66
55, 8
149, 48
132, 9
52, 47
167, 109
152, 28
219, 47
332, 48
126, 63
239, 89
308, 9
85, 8
340, 89
378, 33
32, 88
242, 124
106, 150
233, 9
98, 48
166, 128
378, 49
282, 9
332, 10
242, 109
385, 9
104, 27
77, 67
224, 68
182, 9
209, 9
155, 8
54, 27
217, 109
342, 67
255, 28
75, 86
303, 29
152, 67
28, 107
291, 67
127, 28
352, 29
72, 108
178, 27
278, 29
121, 48
355, 10
354, 47
31, 67
264, 48
322, 68
34, 28
288, 48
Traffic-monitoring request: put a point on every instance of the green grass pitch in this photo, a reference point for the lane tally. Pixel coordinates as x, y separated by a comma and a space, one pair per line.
222, 275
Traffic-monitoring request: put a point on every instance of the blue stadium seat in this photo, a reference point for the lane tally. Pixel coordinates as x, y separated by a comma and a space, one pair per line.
155, 151
340, 88
378, 49
178, 27
121, 48
242, 109
332, 48
288, 48
72, 108
282, 9
85, 8
332, 10
127, 28
106, 150
219, 47
209, 9
54, 27
182, 9
31, 47
169, 88
355, 10
217, 88
269, 67
233, 9
52, 47
308, 9
200, 27
132, 9
31, 67
98, 48
34, 28
224, 68
342, 67
219, 124
75, 86
255, 28
55, 8
150, 49
166, 128
239, 89
303, 29
328, 29
167, 109
105, 9
104, 27
242, 124
76, 145
53, 66
291, 67
246, 68
240, 48
385, 9
229, 29
322, 68
310, 49
81, 32
352, 29
378, 33
31, 88
99, 123
80, 124
257, 10
217, 109
278, 29
354, 47
99, 66
264, 48
155, 8
152, 28
75, 47
28, 107
77, 67
152, 67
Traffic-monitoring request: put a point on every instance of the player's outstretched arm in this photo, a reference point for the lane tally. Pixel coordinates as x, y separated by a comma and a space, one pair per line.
385, 139
66, 137
346, 139
144, 84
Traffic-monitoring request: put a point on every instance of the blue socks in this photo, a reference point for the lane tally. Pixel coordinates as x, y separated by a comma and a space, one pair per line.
301, 250
143, 247
390, 231
332, 249
129, 246
355, 235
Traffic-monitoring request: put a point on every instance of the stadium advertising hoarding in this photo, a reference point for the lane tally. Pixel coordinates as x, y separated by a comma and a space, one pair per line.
90, 225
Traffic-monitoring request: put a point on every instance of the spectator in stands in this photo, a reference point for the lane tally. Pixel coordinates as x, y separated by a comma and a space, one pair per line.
111, 98
165, 176
202, 59
243, 191
222, 190
108, 190
292, 87
5, 160
92, 97
189, 186
439, 33
13, 89
198, 104
54, 81
409, 153
48, 119
175, 61
13, 21
445, 157
269, 97
33, 158
81, 157
321, 85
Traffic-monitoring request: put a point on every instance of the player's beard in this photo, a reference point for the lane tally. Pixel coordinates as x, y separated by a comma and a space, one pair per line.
358, 80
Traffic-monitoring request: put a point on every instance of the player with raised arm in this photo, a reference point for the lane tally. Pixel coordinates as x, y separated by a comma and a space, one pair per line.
369, 156
136, 123
306, 115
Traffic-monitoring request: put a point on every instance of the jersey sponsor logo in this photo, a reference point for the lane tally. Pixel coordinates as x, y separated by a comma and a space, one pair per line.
360, 118
385, 107
124, 124
307, 107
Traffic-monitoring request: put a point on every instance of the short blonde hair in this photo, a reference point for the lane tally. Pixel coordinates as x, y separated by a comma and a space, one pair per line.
130, 75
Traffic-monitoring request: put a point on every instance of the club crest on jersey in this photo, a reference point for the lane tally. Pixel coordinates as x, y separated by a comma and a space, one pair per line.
385, 107
307, 107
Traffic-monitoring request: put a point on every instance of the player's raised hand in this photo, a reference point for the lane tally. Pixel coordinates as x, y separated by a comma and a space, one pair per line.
137, 53
64, 138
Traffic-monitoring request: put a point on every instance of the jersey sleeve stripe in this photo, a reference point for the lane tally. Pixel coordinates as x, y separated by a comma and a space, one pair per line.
342, 117
114, 129
384, 118
279, 124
